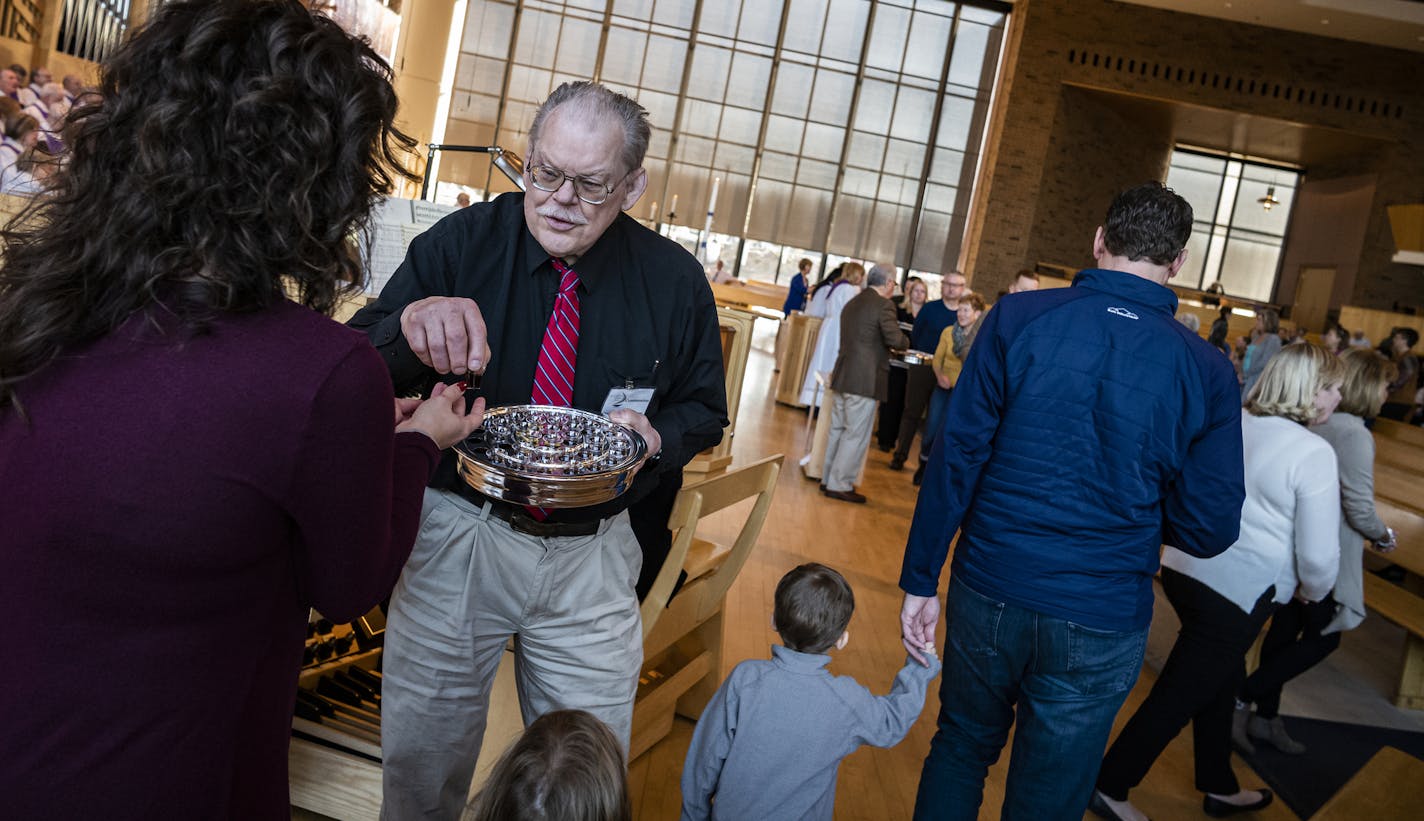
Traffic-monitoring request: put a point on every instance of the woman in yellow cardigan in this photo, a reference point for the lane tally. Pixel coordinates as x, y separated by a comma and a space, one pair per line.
949, 359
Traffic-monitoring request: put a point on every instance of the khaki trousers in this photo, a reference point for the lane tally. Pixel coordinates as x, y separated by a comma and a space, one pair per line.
470, 584
852, 418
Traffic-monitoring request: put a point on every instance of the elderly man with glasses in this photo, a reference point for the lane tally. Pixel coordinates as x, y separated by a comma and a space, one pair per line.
551, 297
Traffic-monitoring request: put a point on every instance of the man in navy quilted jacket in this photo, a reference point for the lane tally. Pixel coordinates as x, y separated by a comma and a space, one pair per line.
1087, 429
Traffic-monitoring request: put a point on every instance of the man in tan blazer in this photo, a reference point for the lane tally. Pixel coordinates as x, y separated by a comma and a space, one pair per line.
868, 331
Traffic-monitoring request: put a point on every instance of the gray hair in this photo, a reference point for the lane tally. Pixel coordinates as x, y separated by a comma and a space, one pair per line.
879, 275
596, 100
1192, 321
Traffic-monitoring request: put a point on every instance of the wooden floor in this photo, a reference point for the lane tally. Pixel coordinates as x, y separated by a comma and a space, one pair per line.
864, 542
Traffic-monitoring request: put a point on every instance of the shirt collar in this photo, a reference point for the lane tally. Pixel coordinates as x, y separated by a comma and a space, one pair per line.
1128, 286
593, 267
798, 662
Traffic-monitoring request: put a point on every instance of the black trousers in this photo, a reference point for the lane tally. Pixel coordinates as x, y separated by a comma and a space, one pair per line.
1198, 685
919, 384
887, 431
1292, 645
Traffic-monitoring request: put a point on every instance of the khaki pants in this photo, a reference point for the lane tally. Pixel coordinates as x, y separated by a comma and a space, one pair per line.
470, 584
852, 418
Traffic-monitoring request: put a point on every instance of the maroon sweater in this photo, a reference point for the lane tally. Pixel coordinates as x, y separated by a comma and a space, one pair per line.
170, 511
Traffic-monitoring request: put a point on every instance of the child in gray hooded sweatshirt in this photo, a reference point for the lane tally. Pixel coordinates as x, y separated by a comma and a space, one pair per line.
770, 742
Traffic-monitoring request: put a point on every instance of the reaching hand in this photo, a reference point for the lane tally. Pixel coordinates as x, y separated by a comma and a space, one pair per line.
918, 618
1389, 543
443, 418
447, 333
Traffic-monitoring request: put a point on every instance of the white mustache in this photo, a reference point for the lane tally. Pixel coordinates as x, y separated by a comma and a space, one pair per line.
560, 214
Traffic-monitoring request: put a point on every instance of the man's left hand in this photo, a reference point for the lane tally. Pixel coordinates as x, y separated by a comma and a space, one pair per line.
919, 616
639, 423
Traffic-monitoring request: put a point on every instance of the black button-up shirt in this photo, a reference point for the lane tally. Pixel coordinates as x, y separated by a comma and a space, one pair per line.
646, 316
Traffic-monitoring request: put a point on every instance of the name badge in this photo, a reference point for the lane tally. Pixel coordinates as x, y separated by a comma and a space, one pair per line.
634, 399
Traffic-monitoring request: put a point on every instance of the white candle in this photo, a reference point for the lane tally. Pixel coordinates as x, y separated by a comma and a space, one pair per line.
673, 209
653, 212
711, 209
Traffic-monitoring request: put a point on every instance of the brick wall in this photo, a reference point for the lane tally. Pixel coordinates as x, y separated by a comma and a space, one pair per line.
1060, 152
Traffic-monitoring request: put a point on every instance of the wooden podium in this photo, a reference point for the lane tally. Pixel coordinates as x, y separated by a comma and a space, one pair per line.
799, 345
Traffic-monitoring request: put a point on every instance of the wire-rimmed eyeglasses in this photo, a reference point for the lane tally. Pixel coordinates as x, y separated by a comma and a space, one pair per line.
551, 179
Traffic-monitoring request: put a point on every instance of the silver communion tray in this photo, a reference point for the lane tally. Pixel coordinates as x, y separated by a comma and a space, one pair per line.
913, 357
550, 456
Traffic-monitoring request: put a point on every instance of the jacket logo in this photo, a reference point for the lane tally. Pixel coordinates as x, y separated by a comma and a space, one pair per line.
1122, 312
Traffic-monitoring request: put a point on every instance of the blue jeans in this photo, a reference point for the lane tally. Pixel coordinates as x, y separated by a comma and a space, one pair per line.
934, 419
1065, 681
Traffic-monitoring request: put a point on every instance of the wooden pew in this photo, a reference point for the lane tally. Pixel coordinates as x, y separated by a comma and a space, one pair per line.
766, 300
1390, 430
1401, 455
682, 636
1377, 324
1405, 609
1399, 487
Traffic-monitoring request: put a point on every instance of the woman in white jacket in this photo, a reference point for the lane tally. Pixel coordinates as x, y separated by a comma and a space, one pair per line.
1301, 634
1288, 547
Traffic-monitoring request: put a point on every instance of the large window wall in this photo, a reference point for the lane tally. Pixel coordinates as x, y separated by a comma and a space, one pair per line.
840, 127
1235, 240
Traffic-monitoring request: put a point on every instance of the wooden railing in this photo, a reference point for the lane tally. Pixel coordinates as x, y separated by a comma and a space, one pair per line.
20, 20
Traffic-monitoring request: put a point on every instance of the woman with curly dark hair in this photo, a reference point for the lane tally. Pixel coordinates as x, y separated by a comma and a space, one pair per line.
191, 458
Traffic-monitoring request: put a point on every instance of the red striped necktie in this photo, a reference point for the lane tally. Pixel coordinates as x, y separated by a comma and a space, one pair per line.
554, 376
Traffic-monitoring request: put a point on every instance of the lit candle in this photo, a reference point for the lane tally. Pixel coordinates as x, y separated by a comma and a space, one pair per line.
673, 209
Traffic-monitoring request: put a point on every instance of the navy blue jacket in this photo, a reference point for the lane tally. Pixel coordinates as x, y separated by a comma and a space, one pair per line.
1087, 428
933, 318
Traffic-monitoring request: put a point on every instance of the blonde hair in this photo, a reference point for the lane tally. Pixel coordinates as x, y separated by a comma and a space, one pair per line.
853, 272
567, 766
1366, 372
1291, 380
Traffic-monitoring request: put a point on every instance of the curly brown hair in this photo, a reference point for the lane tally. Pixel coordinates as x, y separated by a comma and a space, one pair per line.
235, 147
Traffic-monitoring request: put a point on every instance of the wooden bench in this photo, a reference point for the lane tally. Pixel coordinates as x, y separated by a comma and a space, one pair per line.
1405, 609
1388, 429
1377, 324
682, 634
1390, 785
1400, 454
1399, 487
748, 296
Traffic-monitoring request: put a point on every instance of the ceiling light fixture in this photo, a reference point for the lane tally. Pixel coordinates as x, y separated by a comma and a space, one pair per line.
1269, 201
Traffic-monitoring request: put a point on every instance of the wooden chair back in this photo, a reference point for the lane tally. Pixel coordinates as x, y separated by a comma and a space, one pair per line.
711, 567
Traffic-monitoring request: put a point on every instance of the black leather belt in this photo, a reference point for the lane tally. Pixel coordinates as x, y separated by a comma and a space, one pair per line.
520, 521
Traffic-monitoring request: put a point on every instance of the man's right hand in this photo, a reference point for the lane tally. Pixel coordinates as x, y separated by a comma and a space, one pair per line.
919, 616
447, 333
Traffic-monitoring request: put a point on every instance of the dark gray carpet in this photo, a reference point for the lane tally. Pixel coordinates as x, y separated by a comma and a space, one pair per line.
1335, 752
